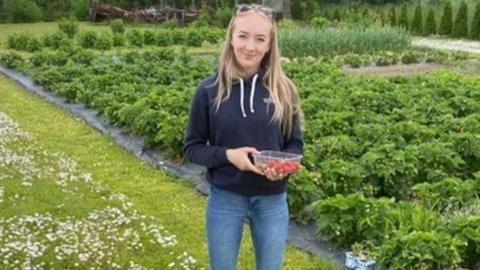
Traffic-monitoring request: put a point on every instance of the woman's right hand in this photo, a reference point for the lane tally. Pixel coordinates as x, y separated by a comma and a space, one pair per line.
239, 158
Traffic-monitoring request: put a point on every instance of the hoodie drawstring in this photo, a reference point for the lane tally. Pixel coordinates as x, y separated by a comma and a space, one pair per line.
241, 98
252, 92
242, 95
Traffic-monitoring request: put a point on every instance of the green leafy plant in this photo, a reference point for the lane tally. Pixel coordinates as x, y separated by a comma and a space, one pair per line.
68, 26
117, 26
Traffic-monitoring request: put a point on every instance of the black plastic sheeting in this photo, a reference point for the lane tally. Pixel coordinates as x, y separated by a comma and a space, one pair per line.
300, 236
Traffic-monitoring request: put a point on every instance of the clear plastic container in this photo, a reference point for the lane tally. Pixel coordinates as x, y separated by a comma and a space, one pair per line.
281, 162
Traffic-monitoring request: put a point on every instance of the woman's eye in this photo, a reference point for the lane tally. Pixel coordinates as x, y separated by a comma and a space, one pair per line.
261, 39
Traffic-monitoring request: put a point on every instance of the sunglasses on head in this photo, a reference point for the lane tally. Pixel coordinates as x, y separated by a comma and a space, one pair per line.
247, 7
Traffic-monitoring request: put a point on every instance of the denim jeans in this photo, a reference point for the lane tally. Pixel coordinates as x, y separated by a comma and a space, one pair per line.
268, 218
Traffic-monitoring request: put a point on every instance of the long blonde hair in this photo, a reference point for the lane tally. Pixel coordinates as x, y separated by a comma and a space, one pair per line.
282, 90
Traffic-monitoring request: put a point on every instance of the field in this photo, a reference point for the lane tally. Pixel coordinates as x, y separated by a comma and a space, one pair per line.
390, 168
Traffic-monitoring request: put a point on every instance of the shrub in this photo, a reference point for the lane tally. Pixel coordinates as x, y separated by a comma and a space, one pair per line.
135, 37
319, 22
169, 24
33, 44
193, 37
403, 20
430, 24
88, 39
410, 57
118, 40
104, 42
164, 37
18, 41
417, 22
355, 60
149, 37
178, 36
68, 26
57, 38
386, 58
11, 60
83, 57
21, 11
117, 26
460, 28
446, 20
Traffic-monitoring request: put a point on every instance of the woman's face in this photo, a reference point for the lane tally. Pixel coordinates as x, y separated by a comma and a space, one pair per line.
251, 40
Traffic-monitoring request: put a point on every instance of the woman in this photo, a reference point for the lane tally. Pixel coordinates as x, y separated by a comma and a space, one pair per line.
249, 105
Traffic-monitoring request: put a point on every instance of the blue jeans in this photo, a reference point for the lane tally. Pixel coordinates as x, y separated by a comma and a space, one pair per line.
268, 217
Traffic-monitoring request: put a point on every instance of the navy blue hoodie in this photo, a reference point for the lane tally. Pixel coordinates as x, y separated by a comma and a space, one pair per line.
243, 120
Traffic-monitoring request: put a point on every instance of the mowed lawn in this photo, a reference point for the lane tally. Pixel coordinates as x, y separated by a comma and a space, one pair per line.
71, 198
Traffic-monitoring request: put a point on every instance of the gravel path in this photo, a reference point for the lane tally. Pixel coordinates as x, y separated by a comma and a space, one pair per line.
448, 44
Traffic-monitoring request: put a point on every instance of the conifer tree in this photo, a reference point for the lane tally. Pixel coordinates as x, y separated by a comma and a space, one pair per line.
446, 21
336, 15
475, 28
430, 24
392, 17
460, 28
417, 22
403, 20
296, 9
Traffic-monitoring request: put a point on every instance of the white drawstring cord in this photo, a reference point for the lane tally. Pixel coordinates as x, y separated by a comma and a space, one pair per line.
252, 93
241, 98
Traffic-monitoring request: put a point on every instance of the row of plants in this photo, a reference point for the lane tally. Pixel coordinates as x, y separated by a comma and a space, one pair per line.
380, 137
387, 58
105, 41
147, 92
299, 42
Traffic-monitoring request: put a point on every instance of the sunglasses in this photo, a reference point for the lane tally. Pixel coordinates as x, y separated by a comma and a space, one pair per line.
247, 7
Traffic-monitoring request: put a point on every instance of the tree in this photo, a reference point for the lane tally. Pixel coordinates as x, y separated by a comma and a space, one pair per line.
446, 20
309, 9
336, 15
22, 11
296, 9
403, 20
430, 24
417, 22
475, 29
460, 28
392, 17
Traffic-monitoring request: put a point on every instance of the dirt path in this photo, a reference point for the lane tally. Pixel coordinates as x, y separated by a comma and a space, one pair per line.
469, 67
448, 44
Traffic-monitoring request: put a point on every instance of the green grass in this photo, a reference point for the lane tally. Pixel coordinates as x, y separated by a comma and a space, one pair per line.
173, 203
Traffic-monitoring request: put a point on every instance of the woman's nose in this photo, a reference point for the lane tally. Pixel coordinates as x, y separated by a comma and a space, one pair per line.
250, 44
